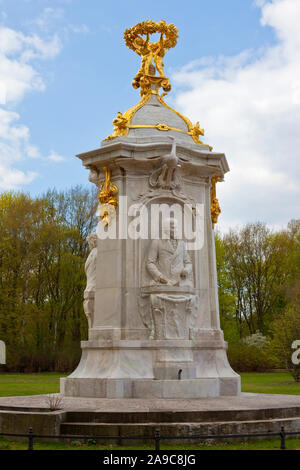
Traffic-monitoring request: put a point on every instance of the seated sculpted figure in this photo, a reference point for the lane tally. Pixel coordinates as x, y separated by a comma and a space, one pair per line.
172, 304
168, 261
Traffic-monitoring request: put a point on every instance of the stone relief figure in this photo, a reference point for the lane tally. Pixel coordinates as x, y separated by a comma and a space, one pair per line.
168, 261
166, 177
90, 264
94, 176
172, 305
90, 271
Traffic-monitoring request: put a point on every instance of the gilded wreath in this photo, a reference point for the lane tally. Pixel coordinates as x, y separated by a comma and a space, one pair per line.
151, 52
151, 27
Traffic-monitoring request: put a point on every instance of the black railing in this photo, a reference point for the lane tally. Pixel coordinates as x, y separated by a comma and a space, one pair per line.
157, 437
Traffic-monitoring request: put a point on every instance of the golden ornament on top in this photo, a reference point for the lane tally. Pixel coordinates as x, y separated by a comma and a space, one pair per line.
151, 77
151, 51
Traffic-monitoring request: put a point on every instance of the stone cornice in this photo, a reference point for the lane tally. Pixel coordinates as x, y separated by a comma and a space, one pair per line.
190, 157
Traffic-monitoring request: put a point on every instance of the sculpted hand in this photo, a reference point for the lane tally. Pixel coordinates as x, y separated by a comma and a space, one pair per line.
184, 273
163, 280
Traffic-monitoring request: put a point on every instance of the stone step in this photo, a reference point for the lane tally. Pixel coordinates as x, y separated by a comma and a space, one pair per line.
181, 416
120, 431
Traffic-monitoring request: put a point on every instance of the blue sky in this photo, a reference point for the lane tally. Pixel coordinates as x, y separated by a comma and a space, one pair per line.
69, 73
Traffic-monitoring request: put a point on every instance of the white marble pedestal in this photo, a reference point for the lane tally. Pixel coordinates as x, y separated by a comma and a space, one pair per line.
149, 340
153, 369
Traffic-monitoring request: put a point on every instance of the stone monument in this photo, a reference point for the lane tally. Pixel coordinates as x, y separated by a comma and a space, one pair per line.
152, 301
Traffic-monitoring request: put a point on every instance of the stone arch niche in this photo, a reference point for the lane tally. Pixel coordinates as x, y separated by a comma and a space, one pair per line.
168, 311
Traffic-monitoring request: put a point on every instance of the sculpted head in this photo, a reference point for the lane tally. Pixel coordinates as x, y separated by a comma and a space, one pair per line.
92, 240
139, 41
93, 176
170, 227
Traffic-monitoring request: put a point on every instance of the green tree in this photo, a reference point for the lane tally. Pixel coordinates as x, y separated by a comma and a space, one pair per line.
226, 294
286, 330
258, 267
42, 255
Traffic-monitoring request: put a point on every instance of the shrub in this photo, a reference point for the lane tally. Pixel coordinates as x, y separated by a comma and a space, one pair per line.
248, 358
257, 339
76, 443
54, 401
91, 442
286, 330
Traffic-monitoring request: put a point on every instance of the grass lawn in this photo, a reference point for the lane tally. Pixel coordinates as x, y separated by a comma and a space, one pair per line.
264, 444
270, 382
29, 384
48, 382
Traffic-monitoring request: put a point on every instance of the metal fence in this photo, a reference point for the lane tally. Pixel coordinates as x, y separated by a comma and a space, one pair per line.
157, 437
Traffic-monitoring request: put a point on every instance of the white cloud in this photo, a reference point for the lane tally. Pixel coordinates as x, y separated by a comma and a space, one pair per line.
81, 29
17, 77
38, 48
250, 107
33, 151
55, 157
13, 179
20, 55
49, 19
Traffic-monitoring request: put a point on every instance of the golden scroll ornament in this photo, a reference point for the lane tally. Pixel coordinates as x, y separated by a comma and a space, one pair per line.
215, 209
108, 198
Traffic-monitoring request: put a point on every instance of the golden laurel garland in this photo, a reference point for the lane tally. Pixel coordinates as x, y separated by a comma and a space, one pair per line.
151, 27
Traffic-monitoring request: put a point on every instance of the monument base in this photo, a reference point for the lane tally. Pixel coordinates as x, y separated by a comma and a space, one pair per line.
168, 368
140, 417
150, 388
